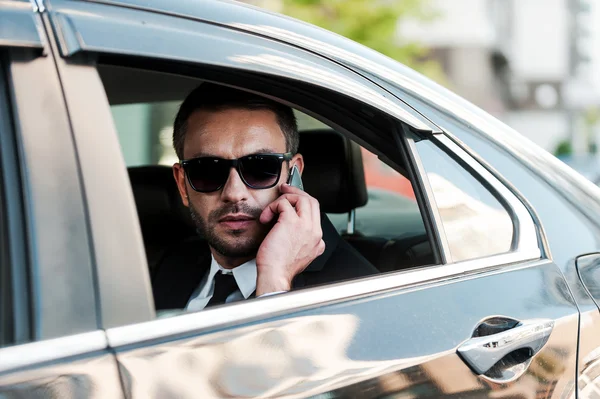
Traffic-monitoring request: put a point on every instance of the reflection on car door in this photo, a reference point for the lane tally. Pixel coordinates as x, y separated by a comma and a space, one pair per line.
403, 341
500, 326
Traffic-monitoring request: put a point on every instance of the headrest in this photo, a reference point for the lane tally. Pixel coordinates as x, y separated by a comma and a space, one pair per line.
333, 170
159, 206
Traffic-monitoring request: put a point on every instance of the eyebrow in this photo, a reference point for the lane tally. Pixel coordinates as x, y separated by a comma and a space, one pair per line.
264, 150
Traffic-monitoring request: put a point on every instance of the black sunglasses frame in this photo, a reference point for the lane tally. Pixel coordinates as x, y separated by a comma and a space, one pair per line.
235, 163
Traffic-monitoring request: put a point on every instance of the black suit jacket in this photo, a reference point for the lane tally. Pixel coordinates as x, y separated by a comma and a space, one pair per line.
182, 269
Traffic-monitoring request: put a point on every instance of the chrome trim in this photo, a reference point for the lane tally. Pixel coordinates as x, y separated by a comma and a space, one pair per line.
295, 301
351, 222
38, 6
525, 228
15, 357
482, 353
435, 213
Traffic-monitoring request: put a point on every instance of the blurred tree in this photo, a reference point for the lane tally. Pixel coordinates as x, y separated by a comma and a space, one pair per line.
563, 149
373, 23
592, 127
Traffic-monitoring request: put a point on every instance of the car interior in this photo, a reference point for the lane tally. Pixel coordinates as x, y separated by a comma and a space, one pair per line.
334, 175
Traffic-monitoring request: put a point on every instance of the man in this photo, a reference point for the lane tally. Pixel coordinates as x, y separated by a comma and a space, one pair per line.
262, 236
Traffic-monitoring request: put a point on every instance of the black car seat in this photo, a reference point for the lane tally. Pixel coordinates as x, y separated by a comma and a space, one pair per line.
164, 219
334, 175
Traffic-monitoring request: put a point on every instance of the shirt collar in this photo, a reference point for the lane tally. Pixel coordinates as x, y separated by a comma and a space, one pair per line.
245, 275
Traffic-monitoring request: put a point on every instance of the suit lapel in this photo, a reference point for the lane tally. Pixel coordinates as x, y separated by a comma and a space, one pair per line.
180, 274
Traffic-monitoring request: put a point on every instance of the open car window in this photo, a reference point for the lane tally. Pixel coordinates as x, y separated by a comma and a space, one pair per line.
387, 228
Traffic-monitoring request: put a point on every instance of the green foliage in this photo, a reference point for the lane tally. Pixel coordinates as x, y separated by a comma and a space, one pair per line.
373, 23
563, 148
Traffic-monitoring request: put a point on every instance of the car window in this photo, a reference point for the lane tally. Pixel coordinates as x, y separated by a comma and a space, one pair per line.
14, 318
475, 222
353, 167
543, 198
146, 130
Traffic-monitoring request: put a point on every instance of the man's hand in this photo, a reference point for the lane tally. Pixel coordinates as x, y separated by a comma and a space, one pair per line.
294, 241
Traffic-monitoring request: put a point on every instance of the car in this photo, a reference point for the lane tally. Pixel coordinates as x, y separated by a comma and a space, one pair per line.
488, 246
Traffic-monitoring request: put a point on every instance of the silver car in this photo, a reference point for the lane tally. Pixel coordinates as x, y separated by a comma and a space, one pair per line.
488, 247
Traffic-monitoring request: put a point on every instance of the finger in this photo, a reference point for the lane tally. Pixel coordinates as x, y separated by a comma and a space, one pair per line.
316, 211
285, 210
289, 189
280, 208
303, 205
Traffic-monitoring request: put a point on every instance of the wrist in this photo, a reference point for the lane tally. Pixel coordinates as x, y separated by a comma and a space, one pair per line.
269, 283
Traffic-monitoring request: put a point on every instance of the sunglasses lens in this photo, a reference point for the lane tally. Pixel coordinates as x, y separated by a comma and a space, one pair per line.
260, 171
207, 174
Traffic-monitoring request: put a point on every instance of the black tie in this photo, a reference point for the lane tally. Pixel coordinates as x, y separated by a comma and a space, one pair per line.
225, 285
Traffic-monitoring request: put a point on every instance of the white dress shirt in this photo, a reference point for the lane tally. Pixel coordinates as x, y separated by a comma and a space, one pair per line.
245, 278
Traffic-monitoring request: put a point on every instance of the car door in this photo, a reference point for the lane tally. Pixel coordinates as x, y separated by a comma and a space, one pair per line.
50, 341
499, 322
569, 218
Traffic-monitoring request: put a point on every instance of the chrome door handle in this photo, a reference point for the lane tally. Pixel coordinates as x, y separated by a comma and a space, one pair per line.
481, 353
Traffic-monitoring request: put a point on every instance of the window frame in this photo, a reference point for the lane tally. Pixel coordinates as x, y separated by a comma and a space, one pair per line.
61, 287
45, 329
526, 241
15, 314
80, 55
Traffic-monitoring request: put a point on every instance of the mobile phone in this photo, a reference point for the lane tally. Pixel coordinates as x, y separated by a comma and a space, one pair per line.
295, 179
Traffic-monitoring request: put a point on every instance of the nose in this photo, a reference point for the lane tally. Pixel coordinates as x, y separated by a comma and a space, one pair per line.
234, 189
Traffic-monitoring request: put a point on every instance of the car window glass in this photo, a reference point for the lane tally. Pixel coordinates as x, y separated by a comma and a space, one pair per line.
542, 197
475, 222
388, 230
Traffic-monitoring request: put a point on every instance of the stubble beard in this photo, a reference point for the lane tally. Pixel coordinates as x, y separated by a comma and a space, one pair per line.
239, 245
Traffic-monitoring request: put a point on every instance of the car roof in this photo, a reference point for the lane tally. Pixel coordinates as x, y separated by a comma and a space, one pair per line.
363, 60
251, 19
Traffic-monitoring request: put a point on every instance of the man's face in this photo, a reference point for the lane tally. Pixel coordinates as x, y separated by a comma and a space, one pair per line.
229, 217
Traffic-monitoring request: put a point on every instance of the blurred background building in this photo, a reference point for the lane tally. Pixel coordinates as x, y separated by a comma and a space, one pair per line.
534, 64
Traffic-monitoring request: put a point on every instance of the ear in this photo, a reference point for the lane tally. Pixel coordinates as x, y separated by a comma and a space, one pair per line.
179, 175
297, 160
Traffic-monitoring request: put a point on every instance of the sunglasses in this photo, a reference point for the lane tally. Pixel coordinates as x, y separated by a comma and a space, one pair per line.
257, 171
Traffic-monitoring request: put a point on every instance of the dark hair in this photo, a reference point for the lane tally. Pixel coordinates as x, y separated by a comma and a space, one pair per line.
213, 97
